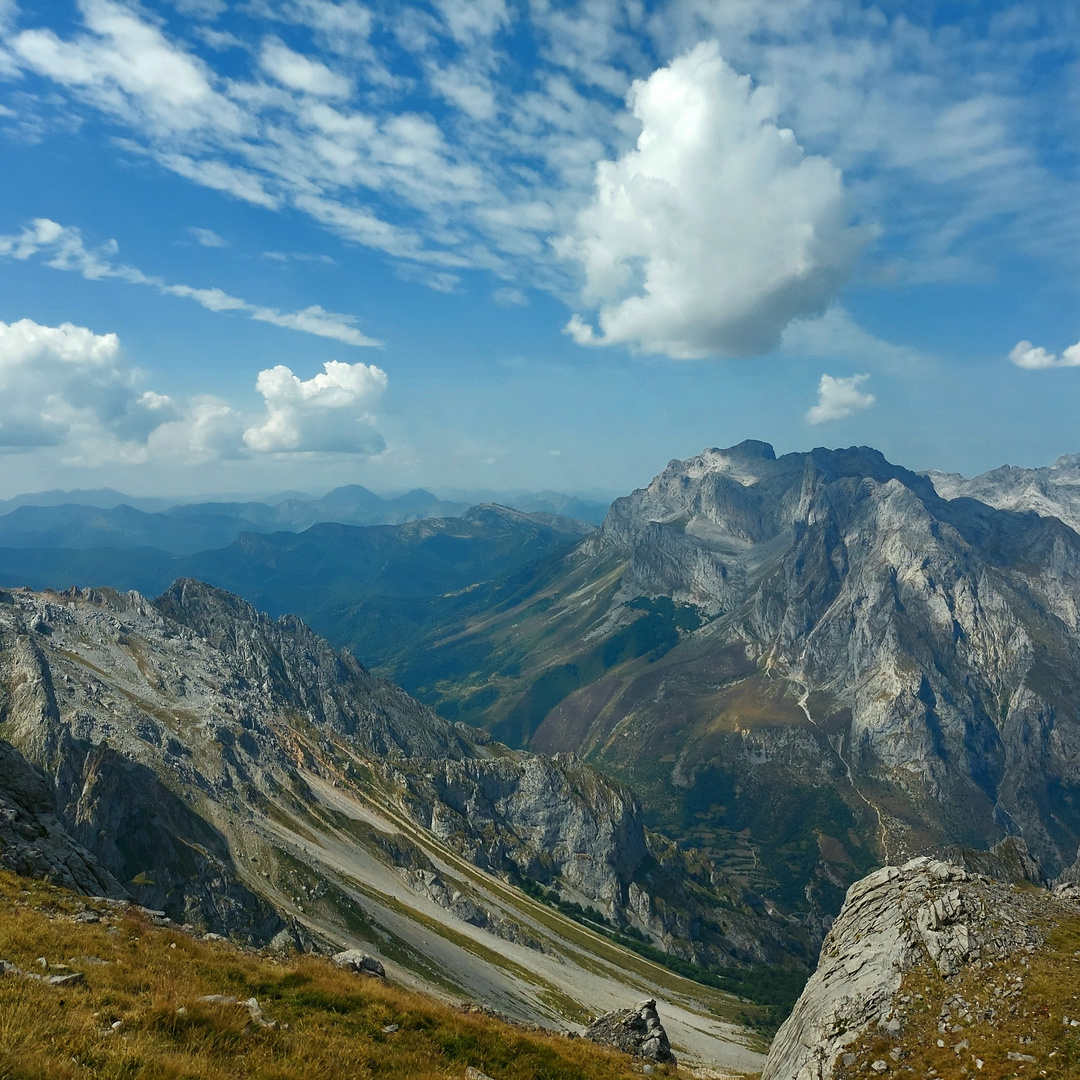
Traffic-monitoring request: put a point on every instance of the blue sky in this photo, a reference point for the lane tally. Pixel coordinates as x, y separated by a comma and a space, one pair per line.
296, 243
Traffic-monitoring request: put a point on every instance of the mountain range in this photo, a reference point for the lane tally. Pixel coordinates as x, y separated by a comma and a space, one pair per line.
815, 661
106, 519
786, 670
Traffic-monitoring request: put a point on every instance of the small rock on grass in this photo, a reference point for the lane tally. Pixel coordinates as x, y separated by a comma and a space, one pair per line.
360, 962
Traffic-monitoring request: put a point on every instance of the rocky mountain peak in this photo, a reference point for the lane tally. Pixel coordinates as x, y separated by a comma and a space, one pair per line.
1052, 491
865, 463
748, 448
848, 622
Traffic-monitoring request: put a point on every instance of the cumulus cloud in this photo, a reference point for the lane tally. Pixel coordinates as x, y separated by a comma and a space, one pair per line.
838, 398
1034, 357
64, 249
716, 230
940, 122
208, 430
68, 389
66, 385
329, 412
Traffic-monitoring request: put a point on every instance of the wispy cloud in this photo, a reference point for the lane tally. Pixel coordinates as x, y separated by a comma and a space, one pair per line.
420, 132
508, 296
298, 256
207, 238
62, 247
835, 335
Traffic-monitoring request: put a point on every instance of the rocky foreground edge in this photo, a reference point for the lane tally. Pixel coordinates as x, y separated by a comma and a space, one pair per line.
926, 912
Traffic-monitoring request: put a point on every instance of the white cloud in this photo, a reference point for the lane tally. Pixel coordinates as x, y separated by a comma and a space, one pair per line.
299, 256
341, 26
217, 175
469, 19
717, 230
838, 398
66, 385
129, 69
462, 89
69, 391
207, 237
203, 9
219, 40
941, 129
64, 249
299, 72
328, 412
1034, 357
208, 430
837, 336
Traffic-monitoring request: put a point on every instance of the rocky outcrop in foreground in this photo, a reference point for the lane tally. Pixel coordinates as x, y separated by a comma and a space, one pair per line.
926, 917
637, 1032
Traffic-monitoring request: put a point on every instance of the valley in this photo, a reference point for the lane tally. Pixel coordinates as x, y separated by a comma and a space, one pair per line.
645, 759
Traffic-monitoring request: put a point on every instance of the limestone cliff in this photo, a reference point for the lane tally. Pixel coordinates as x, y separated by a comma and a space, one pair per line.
927, 962
32, 840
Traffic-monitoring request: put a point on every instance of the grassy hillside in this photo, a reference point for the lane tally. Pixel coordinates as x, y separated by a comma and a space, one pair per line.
138, 1014
1001, 1021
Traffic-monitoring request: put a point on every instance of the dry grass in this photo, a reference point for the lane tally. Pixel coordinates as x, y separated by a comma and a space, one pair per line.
1014, 1007
152, 978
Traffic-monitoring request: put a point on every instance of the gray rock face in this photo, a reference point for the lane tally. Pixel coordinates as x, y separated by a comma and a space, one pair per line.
428, 883
925, 912
32, 840
1048, 492
1008, 860
637, 1032
926, 647
565, 820
160, 725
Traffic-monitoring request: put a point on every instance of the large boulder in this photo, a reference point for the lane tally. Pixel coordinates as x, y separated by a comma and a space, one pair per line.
637, 1032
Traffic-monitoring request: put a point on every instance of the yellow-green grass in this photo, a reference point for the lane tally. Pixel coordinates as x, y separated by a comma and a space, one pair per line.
154, 976
1027, 1023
